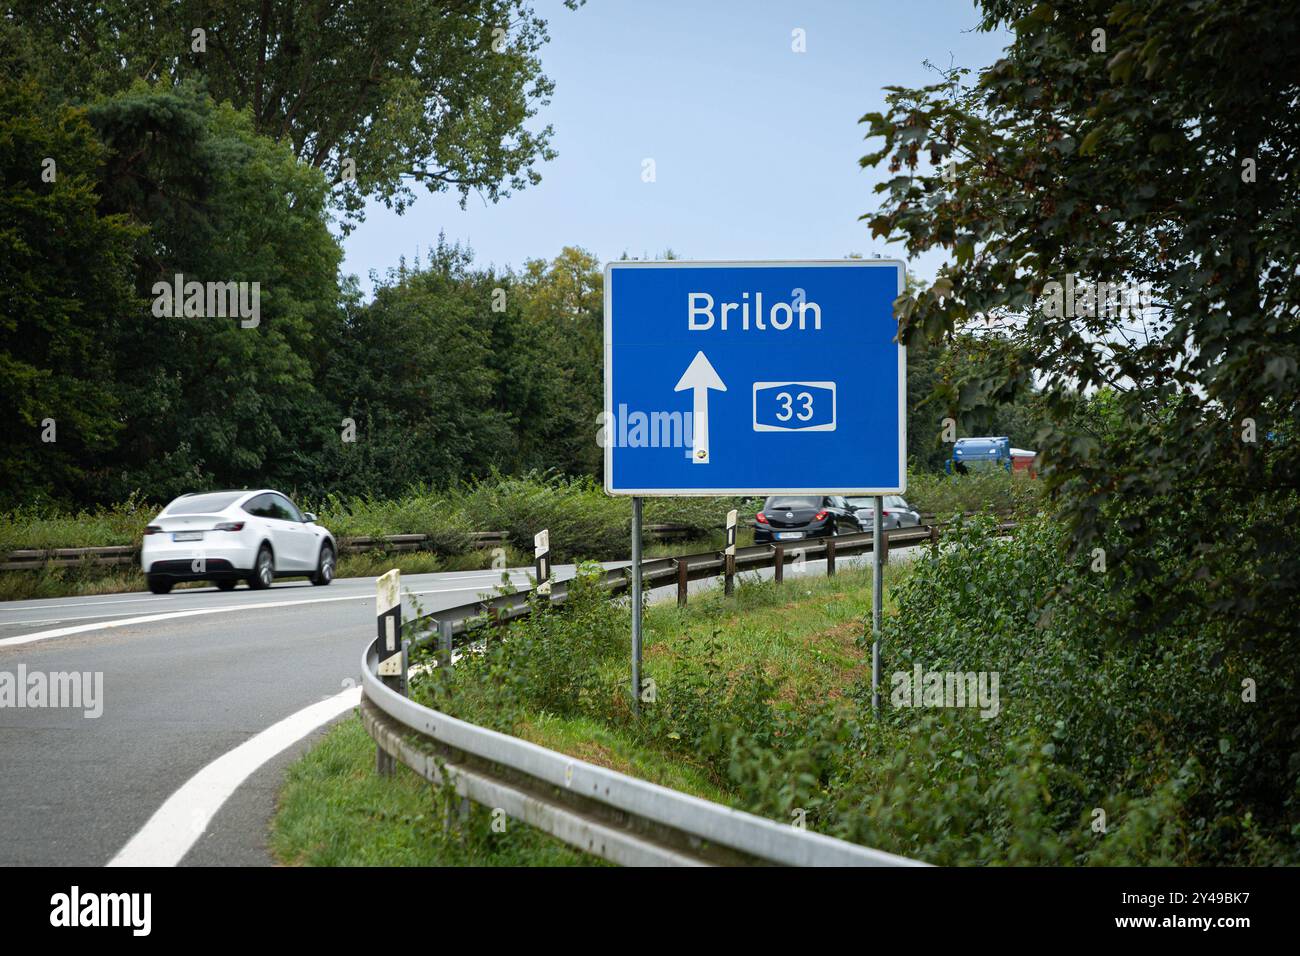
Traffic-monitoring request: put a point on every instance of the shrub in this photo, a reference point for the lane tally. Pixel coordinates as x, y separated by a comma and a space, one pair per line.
993, 490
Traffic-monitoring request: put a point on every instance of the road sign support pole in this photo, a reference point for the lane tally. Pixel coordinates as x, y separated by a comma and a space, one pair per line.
877, 579
636, 605
444, 643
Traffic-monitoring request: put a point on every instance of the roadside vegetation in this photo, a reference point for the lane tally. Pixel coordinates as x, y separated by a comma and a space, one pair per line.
334, 810
1097, 750
560, 681
582, 520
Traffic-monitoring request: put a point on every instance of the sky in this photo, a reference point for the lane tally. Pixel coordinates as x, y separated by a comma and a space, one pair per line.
755, 146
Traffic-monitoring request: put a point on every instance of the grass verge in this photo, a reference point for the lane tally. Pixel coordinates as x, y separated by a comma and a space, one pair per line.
803, 635
334, 810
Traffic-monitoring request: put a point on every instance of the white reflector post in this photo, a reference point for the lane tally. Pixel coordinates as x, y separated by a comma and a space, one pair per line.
388, 619
542, 560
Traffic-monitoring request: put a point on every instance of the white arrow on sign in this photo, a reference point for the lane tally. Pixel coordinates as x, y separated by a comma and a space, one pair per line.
700, 377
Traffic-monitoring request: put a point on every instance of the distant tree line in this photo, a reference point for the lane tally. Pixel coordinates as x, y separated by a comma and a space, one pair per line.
132, 153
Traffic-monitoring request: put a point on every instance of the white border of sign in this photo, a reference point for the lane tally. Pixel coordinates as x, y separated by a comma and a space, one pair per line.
748, 264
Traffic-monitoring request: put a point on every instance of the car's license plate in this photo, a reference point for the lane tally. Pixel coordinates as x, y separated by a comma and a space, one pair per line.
787, 535
187, 536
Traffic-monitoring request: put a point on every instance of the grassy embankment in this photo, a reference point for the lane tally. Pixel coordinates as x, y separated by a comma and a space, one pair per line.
1082, 746
803, 635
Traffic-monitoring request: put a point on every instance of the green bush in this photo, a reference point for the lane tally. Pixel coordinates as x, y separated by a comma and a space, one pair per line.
1153, 733
550, 662
419, 511
581, 518
53, 527
993, 490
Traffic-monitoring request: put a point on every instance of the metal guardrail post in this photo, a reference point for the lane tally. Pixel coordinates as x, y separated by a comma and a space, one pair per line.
444, 643
778, 567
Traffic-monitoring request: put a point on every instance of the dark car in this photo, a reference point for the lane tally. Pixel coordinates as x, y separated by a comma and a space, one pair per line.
897, 513
796, 517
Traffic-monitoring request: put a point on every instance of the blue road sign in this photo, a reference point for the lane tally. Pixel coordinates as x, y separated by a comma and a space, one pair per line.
754, 378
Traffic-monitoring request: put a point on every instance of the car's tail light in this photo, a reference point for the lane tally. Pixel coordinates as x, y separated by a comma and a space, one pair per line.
760, 518
152, 529
230, 526
820, 515
884, 514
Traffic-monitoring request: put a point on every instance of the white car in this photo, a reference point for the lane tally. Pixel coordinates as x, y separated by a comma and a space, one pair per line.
229, 536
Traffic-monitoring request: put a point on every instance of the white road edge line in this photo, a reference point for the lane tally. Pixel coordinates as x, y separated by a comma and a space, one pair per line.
296, 586
195, 612
177, 825
151, 618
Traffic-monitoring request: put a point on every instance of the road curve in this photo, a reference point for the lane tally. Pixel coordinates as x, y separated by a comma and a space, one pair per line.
188, 678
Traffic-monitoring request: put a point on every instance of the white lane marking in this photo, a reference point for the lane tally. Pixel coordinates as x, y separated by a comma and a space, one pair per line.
177, 825
151, 618
75, 617
195, 612
358, 583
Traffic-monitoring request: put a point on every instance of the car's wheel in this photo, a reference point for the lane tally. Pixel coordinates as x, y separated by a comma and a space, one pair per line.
324, 567
159, 585
263, 570
227, 584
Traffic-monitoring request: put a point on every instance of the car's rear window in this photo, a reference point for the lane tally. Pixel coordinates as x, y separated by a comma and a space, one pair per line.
793, 501
203, 504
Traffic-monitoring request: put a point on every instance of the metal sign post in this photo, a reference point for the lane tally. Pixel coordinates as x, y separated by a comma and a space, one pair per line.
636, 605
877, 536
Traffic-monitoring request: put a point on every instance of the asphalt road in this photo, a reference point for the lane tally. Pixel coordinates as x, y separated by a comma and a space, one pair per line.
178, 693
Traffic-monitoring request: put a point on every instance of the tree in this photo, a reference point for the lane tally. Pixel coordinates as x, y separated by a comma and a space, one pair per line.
1122, 142
213, 400
561, 345
65, 268
415, 370
376, 95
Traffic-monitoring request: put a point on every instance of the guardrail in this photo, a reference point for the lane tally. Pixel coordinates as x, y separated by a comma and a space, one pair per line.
34, 559
608, 814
